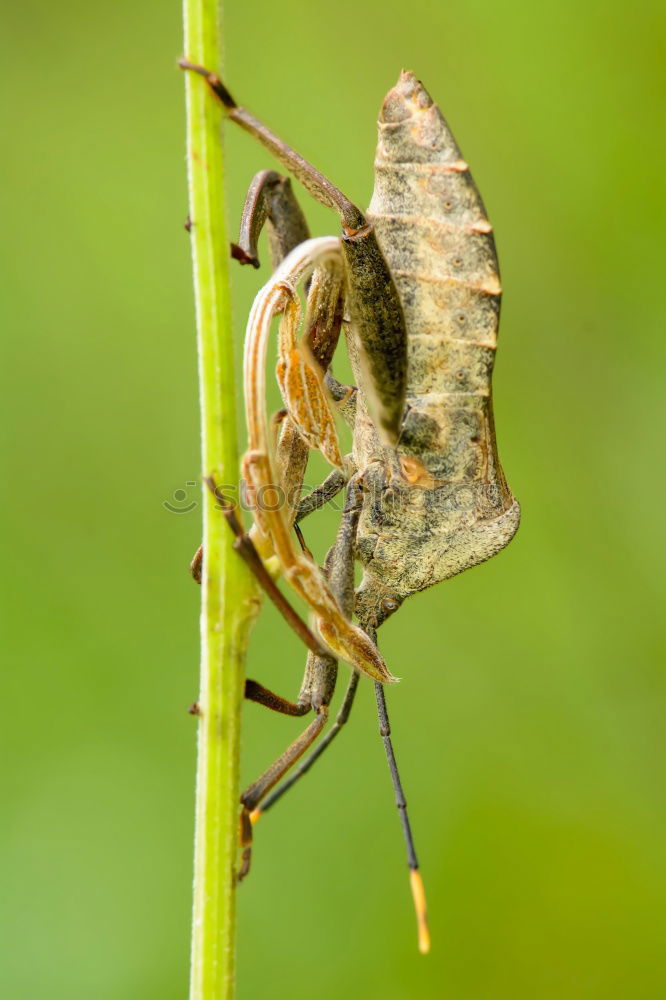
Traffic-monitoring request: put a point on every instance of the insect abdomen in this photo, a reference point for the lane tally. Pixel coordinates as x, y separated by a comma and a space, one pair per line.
416, 528
432, 226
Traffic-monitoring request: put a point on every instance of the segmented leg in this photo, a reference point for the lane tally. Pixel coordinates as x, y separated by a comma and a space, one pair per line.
278, 297
255, 792
374, 303
322, 495
320, 675
246, 549
270, 200
319, 680
312, 180
324, 743
263, 696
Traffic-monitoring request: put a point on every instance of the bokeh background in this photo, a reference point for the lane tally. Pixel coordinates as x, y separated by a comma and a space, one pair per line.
530, 718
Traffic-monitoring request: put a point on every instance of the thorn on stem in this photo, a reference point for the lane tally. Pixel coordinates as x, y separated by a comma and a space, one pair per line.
196, 566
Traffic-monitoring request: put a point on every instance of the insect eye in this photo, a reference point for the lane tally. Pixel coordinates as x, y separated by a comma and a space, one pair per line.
389, 605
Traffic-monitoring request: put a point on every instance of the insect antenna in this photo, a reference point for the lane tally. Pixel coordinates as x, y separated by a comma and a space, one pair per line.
415, 880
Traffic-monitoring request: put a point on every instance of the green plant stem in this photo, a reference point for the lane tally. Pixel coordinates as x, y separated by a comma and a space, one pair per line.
228, 603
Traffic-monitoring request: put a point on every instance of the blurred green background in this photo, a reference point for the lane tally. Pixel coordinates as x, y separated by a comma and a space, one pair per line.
529, 721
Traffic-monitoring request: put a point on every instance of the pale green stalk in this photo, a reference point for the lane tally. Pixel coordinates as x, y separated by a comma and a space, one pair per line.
227, 590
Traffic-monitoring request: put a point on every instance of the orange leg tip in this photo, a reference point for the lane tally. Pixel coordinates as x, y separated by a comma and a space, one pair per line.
418, 894
254, 816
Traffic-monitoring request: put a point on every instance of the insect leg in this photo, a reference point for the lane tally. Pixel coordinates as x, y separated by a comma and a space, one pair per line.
329, 489
340, 572
262, 696
278, 296
320, 496
342, 717
271, 200
312, 180
321, 675
255, 792
374, 302
246, 549
316, 693
415, 880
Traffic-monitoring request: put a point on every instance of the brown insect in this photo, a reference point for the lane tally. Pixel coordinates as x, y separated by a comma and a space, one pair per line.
414, 282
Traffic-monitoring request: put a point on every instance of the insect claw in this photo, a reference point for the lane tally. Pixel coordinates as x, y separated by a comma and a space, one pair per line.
242, 256
213, 81
244, 842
